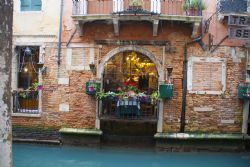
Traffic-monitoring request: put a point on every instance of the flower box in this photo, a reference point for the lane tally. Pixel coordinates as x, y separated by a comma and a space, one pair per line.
92, 87
166, 90
243, 92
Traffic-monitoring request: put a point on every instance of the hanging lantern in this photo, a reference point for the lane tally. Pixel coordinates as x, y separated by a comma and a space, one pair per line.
26, 62
248, 69
27, 51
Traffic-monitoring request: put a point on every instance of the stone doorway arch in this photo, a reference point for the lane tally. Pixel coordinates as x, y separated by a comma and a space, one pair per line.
131, 48
145, 52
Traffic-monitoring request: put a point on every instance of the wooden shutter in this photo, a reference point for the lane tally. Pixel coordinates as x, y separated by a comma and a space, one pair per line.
25, 5
36, 5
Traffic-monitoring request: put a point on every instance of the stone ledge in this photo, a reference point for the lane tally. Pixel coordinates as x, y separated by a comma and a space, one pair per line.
36, 141
200, 136
94, 132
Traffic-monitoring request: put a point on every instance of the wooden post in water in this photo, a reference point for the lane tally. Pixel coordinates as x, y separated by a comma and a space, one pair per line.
6, 14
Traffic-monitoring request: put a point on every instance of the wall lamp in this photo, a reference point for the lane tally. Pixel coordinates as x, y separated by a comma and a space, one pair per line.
169, 70
248, 69
92, 68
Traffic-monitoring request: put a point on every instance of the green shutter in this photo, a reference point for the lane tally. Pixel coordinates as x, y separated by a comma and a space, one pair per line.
25, 5
36, 5
31, 5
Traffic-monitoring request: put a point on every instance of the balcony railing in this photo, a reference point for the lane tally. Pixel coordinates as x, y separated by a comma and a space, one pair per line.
25, 102
129, 109
164, 7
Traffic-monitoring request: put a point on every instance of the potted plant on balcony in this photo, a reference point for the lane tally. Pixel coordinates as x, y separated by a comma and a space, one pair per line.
193, 7
31, 91
135, 4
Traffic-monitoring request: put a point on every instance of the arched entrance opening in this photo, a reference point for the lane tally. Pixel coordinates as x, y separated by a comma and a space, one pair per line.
130, 70
130, 87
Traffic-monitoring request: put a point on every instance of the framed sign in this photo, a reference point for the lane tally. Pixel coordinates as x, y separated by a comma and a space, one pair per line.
238, 20
239, 32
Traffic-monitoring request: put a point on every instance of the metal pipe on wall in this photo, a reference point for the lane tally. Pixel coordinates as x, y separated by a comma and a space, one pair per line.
60, 35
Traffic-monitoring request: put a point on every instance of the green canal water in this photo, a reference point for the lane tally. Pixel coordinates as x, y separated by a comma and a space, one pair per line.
27, 155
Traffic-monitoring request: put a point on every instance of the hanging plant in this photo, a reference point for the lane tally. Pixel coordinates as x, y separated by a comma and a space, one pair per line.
92, 87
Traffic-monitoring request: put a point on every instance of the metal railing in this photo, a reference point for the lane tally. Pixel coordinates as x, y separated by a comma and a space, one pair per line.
164, 7
128, 109
25, 102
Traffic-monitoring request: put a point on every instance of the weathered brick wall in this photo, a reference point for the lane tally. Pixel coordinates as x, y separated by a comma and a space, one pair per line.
219, 113
172, 107
82, 110
82, 107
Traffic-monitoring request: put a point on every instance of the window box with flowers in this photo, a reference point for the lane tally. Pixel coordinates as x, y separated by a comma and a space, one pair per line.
31, 92
166, 90
243, 92
128, 93
92, 87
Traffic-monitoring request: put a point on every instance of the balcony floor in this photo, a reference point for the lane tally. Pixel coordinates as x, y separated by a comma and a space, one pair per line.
137, 120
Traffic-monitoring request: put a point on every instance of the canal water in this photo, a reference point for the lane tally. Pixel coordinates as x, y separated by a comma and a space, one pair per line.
27, 155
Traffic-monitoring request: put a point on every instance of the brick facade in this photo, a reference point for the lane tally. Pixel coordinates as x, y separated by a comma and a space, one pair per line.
204, 112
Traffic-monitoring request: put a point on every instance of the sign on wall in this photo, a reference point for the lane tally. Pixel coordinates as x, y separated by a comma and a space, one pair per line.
235, 20
239, 33
239, 27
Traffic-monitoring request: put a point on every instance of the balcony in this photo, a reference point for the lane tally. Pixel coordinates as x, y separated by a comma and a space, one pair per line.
139, 110
25, 102
141, 10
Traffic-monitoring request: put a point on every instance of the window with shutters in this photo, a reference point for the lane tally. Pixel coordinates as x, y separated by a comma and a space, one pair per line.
206, 75
31, 5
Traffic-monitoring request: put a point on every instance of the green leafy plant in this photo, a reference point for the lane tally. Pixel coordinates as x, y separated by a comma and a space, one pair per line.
31, 91
193, 4
154, 97
135, 2
96, 86
100, 95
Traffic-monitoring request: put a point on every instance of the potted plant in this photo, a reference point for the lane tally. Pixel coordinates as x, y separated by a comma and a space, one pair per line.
166, 90
192, 7
135, 4
31, 91
243, 92
92, 87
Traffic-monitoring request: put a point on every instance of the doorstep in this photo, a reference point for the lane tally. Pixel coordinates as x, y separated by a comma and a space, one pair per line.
75, 136
201, 141
81, 131
199, 136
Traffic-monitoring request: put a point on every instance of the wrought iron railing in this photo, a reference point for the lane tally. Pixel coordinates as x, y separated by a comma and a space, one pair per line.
128, 109
164, 7
25, 102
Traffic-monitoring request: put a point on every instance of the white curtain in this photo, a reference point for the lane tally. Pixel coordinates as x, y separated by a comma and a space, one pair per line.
118, 5
156, 6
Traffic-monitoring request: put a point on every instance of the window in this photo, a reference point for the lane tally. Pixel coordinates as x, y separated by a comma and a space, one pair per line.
31, 5
26, 98
206, 75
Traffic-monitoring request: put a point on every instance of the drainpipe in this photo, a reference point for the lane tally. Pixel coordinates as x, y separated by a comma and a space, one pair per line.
60, 35
184, 90
184, 84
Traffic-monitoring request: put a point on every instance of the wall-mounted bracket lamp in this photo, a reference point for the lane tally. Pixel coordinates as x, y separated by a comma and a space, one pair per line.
92, 68
169, 74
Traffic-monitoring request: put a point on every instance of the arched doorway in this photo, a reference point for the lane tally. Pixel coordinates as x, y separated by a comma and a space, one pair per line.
157, 76
130, 86
130, 70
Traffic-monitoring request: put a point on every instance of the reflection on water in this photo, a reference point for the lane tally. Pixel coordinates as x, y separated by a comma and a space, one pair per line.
55, 156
